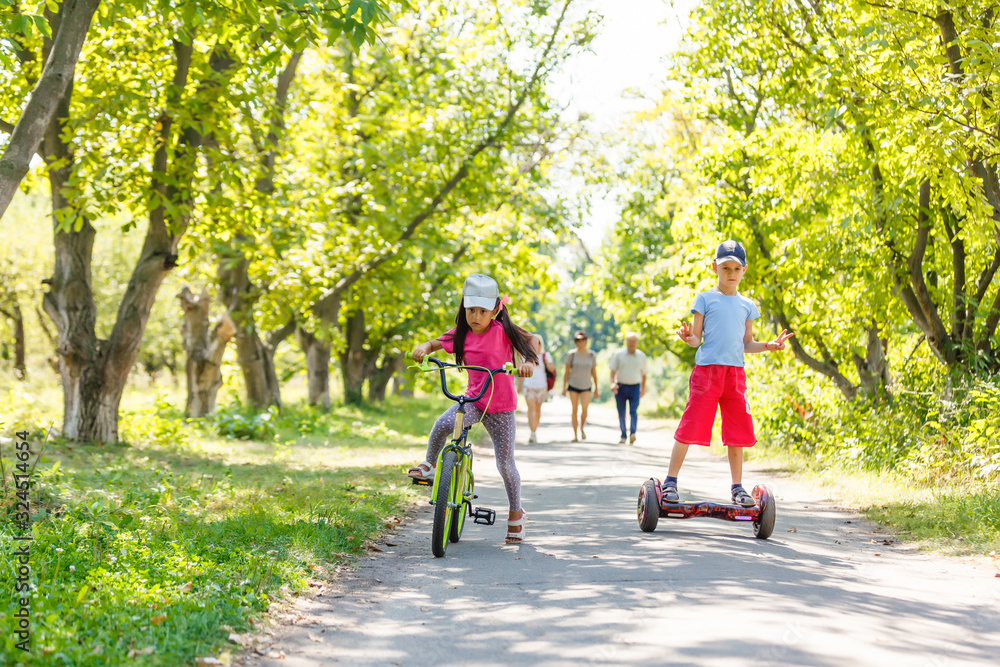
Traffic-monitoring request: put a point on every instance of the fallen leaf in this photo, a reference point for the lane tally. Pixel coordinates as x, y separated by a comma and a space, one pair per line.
997, 575
185, 587
878, 554
142, 651
837, 541
886, 542
373, 547
595, 556
314, 637
390, 544
156, 620
277, 655
200, 662
236, 639
793, 529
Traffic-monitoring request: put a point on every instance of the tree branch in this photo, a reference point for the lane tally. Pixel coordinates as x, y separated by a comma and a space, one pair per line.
57, 74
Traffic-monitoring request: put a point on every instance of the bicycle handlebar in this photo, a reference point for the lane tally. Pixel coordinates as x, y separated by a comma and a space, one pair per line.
442, 365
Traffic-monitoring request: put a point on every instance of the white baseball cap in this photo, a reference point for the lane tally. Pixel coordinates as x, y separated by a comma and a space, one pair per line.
480, 291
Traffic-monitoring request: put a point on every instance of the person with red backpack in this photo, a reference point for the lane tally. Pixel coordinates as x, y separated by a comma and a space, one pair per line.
536, 387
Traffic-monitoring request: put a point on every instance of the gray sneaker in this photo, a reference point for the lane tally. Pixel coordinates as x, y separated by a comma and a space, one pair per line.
741, 497
622, 441
669, 490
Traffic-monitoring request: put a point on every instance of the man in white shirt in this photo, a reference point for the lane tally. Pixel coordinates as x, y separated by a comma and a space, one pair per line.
628, 383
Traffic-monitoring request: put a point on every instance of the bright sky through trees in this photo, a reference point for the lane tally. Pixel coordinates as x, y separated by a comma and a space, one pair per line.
622, 75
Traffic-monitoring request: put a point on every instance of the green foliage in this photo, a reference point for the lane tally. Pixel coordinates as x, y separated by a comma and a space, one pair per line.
929, 431
242, 422
160, 424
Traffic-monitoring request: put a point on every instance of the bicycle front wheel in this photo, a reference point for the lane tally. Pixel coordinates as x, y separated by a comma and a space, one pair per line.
442, 504
467, 488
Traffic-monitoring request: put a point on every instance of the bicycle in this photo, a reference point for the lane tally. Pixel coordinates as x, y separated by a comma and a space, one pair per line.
454, 483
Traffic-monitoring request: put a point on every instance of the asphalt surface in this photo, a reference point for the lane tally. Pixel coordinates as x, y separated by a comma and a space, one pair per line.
588, 587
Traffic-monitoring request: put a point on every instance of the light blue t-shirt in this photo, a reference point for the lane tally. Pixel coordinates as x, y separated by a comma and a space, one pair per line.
725, 325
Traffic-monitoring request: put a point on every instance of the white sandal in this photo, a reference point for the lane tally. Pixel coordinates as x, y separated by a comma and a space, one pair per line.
423, 471
518, 536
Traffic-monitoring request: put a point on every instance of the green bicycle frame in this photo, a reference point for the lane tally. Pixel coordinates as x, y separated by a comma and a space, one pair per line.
463, 463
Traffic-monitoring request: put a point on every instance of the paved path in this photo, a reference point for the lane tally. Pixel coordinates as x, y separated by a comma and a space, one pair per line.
588, 587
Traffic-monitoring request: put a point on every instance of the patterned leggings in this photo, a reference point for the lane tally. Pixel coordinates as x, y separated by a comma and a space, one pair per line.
500, 426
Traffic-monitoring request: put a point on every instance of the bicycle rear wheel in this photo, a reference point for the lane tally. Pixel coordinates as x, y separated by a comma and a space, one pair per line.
442, 505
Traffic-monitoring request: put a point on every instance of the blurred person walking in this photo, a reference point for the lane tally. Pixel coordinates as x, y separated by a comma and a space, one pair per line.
580, 381
628, 383
536, 387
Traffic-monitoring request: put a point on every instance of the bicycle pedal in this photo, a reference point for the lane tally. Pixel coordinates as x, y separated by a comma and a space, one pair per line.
423, 482
484, 516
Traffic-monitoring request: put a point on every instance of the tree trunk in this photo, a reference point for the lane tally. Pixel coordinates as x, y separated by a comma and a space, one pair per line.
379, 376
70, 31
873, 369
14, 314
352, 360
204, 351
402, 384
317, 366
256, 359
69, 302
20, 365
51, 357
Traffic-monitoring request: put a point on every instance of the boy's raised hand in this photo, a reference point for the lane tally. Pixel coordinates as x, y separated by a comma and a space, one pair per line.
685, 333
779, 342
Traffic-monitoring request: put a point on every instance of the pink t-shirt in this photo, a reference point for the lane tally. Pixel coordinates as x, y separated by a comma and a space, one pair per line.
490, 349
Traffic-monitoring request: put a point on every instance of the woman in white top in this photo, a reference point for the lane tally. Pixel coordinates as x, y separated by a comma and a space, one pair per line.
536, 387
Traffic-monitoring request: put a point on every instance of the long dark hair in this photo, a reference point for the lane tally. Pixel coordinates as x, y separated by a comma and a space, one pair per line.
518, 337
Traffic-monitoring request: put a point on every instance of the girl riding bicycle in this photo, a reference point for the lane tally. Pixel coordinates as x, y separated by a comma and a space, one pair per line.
485, 336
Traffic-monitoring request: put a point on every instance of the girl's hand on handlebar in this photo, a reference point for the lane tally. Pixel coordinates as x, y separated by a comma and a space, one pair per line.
419, 353
526, 369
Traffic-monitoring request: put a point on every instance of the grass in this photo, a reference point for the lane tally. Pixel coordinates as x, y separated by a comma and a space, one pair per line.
151, 552
954, 517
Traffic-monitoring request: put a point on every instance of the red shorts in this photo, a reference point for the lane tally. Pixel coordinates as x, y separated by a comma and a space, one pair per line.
713, 387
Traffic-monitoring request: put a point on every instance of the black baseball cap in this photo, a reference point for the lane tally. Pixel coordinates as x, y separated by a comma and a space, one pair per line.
731, 251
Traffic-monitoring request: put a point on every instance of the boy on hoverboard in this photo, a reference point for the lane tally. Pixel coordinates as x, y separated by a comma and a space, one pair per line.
722, 330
